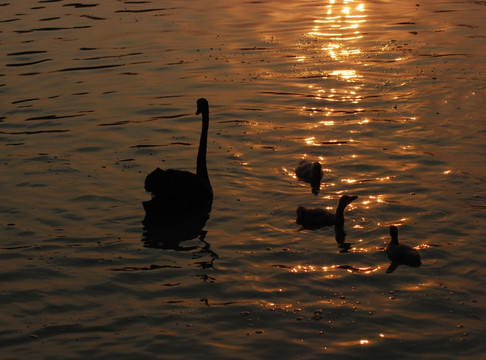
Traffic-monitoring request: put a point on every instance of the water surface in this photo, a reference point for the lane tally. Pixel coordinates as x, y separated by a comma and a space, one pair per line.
389, 96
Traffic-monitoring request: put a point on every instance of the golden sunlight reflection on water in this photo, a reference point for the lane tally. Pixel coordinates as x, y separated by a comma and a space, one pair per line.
328, 269
338, 28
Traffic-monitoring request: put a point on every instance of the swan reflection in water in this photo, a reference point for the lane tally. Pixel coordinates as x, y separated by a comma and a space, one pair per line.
181, 201
315, 218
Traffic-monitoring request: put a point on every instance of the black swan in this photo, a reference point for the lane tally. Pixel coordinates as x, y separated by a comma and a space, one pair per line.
181, 200
311, 173
311, 218
400, 253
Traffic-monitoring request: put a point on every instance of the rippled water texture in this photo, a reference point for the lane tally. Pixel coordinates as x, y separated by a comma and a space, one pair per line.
388, 95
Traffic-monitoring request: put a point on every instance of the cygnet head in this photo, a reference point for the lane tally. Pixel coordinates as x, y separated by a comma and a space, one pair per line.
202, 106
316, 169
345, 200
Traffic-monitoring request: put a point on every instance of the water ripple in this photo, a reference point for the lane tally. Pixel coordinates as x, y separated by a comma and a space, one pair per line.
51, 29
29, 63
84, 68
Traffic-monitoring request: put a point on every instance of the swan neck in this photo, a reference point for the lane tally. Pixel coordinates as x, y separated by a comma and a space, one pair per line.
201, 169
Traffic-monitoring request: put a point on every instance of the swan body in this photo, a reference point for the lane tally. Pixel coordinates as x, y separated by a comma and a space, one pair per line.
314, 218
181, 195
400, 253
177, 189
311, 173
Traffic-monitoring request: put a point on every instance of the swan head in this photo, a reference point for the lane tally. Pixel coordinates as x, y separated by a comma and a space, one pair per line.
202, 106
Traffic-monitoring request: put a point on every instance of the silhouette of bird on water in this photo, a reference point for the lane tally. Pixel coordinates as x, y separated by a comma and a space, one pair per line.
181, 200
311, 173
400, 254
314, 218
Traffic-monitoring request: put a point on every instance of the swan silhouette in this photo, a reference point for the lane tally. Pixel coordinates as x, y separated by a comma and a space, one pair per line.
314, 218
400, 253
311, 173
181, 200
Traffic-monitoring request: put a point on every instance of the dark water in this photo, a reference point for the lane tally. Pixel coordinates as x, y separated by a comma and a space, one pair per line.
389, 96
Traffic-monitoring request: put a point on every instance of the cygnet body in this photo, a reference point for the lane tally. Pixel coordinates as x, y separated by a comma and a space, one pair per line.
310, 172
400, 254
314, 218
